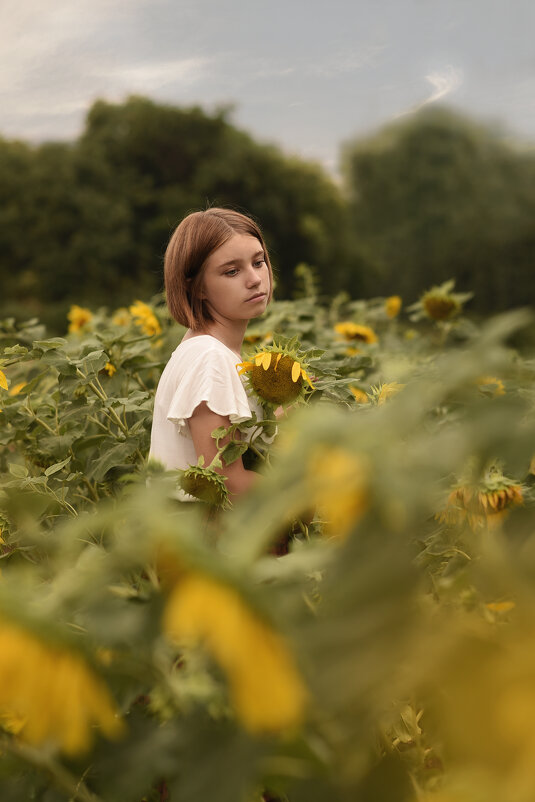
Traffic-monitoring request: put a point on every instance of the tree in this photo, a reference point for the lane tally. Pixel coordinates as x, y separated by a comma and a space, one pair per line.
438, 196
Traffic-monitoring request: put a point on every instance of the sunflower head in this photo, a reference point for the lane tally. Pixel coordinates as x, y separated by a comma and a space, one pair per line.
145, 318
490, 386
351, 332
393, 306
441, 303
78, 317
482, 504
204, 484
277, 374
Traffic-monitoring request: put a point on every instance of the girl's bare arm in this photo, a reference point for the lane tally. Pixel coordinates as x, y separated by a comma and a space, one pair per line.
202, 423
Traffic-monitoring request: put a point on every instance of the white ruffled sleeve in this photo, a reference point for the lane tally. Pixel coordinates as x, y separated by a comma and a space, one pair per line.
212, 378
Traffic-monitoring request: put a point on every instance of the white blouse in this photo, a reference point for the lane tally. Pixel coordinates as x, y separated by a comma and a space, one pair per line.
200, 369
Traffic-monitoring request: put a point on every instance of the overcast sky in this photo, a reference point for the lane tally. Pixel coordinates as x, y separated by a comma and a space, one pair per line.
304, 74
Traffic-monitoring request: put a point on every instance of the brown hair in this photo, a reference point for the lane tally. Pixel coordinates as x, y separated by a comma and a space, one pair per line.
194, 239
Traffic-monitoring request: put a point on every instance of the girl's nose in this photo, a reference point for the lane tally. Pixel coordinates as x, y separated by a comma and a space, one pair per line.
253, 277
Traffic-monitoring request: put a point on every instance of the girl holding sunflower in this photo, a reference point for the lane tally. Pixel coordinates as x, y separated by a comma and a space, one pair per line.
217, 277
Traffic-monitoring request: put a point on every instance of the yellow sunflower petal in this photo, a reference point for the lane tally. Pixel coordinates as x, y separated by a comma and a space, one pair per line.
3, 380
306, 377
277, 361
244, 367
296, 371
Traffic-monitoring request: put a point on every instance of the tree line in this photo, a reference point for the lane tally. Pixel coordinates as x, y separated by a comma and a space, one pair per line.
434, 197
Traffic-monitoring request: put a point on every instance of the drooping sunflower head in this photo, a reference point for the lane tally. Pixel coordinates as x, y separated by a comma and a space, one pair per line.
484, 503
204, 484
277, 374
441, 303
352, 332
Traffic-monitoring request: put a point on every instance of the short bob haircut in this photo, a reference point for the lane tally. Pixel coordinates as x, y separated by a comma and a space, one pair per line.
194, 239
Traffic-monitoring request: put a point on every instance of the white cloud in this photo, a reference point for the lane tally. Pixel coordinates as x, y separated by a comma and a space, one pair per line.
153, 77
444, 82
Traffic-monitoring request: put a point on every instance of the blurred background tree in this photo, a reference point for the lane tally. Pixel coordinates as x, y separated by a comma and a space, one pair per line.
439, 196
433, 197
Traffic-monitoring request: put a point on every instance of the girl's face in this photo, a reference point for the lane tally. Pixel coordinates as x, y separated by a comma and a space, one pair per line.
236, 282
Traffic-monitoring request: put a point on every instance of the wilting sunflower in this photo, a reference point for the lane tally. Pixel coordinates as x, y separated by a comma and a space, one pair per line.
482, 504
352, 332
78, 318
441, 303
277, 375
204, 484
393, 306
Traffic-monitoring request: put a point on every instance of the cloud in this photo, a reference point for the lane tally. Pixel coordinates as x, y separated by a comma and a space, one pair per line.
156, 76
348, 60
444, 83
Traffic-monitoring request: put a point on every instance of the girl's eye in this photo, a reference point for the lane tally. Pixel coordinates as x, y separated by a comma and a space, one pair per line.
231, 272
259, 263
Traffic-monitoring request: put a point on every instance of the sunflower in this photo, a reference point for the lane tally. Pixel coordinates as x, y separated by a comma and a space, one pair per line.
145, 318
339, 482
50, 693
361, 397
204, 484
482, 504
440, 303
78, 318
355, 331
277, 375
393, 306
265, 687
490, 385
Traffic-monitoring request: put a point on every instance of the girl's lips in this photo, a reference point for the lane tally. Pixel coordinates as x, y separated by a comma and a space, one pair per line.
258, 297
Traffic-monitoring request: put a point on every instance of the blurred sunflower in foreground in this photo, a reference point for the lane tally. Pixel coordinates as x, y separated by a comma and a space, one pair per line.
265, 687
48, 693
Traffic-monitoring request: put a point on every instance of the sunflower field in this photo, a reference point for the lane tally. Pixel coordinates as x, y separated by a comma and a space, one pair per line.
359, 627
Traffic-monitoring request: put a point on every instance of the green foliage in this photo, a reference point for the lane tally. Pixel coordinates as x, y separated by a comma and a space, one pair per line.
408, 582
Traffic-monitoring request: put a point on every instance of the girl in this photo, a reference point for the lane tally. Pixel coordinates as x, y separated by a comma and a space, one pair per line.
217, 278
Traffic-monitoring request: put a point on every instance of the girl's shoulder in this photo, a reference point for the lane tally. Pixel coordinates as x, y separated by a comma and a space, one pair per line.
201, 350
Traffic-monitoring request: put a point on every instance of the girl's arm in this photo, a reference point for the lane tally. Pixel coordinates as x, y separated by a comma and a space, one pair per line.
202, 423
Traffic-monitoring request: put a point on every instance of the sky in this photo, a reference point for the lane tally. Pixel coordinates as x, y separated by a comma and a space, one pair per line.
303, 74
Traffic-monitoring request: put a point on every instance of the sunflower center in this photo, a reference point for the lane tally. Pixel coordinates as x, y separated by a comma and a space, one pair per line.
276, 384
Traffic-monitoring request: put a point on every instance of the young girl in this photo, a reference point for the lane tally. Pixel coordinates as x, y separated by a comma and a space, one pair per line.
217, 278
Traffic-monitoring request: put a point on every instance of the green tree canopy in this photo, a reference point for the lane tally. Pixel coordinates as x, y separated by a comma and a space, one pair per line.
438, 196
